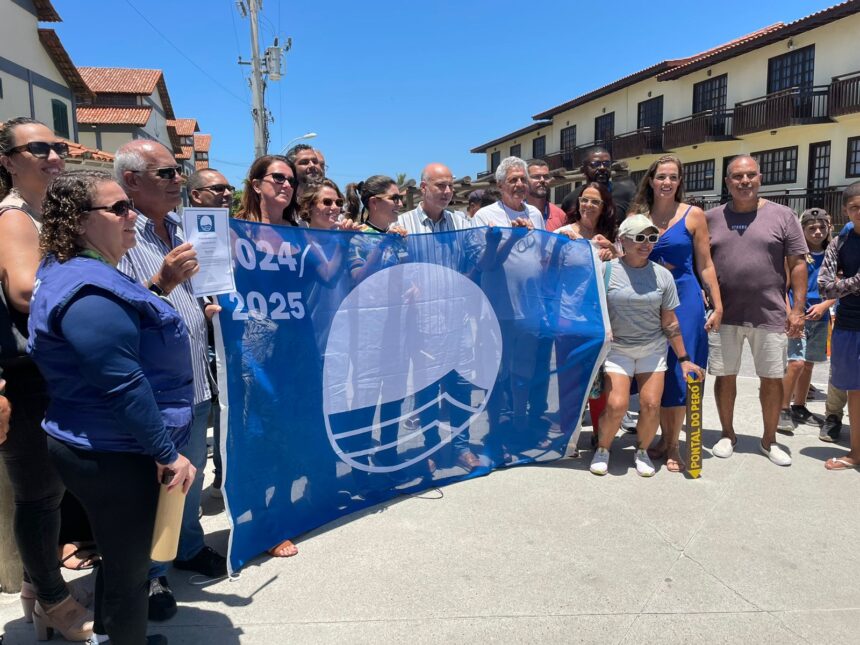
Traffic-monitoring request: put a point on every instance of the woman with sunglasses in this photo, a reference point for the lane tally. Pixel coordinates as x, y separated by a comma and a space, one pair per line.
117, 361
683, 247
269, 194
30, 156
590, 216
641, 298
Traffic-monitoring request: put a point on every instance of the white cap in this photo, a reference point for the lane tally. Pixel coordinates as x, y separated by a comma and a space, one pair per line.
636, 224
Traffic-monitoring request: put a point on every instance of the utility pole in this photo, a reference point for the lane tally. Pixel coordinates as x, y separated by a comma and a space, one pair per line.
270, 67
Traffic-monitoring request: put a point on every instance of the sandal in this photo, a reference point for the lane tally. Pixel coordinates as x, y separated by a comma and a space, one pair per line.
675, 465
840, 463
81, 557
285, 549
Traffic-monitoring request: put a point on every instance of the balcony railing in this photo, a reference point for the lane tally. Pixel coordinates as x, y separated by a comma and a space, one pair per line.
845, 94
698, 128
798, 199
580, 151
794, 106
561, 159
644, 141
486, 174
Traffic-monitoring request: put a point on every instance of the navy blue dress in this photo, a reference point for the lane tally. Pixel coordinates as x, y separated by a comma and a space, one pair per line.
674, 250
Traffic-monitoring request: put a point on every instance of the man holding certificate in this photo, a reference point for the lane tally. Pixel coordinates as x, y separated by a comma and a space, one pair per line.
164, 262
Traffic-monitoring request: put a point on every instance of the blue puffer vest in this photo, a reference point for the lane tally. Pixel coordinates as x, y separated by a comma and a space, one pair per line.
78, 413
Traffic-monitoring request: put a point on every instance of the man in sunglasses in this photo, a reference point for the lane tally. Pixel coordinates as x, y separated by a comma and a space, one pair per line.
754, 244
597, 166
163, 262
208, 188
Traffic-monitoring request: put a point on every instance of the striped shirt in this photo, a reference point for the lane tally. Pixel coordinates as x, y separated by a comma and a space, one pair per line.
417, 221
142, 262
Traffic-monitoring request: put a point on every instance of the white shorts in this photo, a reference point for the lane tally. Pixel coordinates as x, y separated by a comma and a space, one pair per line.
768, 350
636, 360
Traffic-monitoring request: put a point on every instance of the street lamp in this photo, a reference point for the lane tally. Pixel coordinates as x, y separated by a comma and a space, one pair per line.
307, 135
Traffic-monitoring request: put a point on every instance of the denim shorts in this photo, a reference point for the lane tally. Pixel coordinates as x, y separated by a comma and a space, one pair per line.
813, 346
844, 359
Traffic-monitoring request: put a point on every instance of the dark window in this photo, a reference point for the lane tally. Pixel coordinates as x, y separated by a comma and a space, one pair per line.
495, 160
604, 128
650, 114
568, 139
539, 148
777, 166
699, 175
710, 94
61, 118
794, 69
108, 98
561, 192
852, 167
516, 150
636, 176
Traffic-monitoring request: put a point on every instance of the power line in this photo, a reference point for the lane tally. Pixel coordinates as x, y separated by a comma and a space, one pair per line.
238, 47
186, 57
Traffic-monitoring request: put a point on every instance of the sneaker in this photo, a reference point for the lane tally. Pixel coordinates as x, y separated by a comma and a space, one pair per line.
831, 429
600, 462
628, 423
786, 423
643, 463
162, 604
801, 414
724, 448
207, 562
776, 454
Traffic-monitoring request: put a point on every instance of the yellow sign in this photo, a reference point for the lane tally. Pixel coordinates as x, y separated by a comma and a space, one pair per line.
694, 426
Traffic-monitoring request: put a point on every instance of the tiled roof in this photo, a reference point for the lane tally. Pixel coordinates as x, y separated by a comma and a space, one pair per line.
529, 128
45, 11
185, 154
184, 127
51, 42
96, 114
201, 165
119, 80
760, 38
77, 151
202, 142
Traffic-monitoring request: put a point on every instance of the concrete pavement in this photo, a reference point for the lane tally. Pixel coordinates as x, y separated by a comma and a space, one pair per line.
749, 553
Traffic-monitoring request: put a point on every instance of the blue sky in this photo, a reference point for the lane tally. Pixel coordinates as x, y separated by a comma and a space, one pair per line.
391, 86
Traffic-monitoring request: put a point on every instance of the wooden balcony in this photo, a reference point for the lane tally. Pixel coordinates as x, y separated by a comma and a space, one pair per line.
698, 128
845, 94
644, 141
798, 199
561, 159
794, 106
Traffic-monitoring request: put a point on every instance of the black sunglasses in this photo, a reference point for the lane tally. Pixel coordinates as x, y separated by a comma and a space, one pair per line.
392, 198
281, 178
121, 208
219, 188
328, 201
600, 164
42, 149
651, 238
168, 172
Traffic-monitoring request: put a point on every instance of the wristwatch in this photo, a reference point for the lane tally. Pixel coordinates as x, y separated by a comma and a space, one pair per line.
685, 357
158, 291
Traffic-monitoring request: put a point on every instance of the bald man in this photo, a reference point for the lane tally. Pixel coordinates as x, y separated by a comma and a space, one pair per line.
163, 262
432, 216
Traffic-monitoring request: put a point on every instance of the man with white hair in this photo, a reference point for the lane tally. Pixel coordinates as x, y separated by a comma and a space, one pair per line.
163, 262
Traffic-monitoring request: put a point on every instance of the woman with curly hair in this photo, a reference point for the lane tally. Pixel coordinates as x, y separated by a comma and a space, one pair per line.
117, 362
30, 156
269, 194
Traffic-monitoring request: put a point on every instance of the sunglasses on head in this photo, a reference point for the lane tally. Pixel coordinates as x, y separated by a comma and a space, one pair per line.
42, 149
639, 238
281, 178
328, 201
218, 188
121, 208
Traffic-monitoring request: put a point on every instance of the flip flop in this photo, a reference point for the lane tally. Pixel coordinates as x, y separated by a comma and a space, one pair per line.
675, 465
285, 549
82, 558
840, 463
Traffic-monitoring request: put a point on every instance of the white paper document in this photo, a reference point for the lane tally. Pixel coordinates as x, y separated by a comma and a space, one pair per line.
208, 229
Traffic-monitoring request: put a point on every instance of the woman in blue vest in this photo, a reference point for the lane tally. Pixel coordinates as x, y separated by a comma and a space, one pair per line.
117, 363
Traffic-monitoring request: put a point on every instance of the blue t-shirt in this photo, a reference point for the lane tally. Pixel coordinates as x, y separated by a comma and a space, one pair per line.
813, 268
848, 308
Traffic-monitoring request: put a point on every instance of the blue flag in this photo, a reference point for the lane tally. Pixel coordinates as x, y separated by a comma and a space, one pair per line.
360, 366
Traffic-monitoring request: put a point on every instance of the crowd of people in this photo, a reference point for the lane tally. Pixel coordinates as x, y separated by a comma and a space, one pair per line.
107, 360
